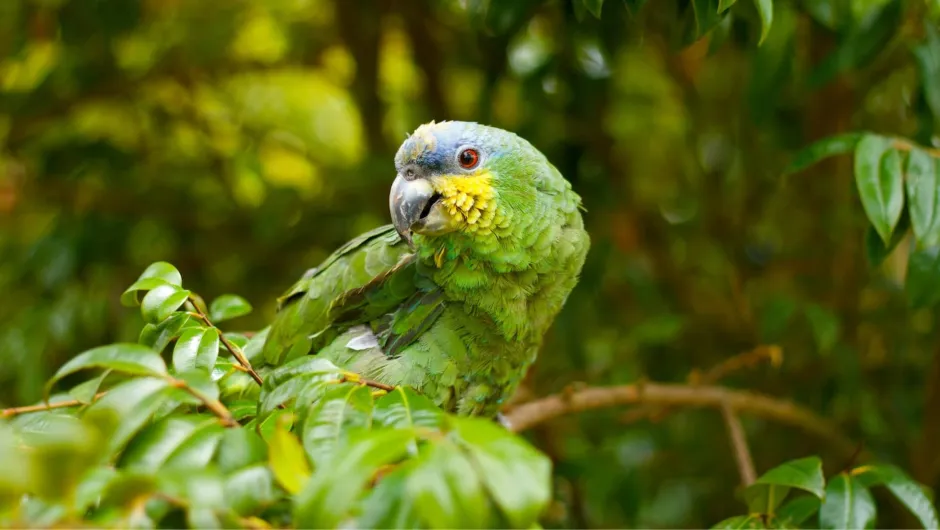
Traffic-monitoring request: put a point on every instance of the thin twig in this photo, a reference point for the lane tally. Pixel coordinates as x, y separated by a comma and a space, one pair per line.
529, 414
214, 405
6, 413
351, 377
233, 349
742, 453
748, 359
904, 145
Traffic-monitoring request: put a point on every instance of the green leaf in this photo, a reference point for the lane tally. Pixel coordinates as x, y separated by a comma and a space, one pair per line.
797, 511
287, 459
405, 408
741, 522
517, 476
157, 274
724, 5
388, 505
875, 248
158, 336
227, 307
132, 359
822, 149
85, 392
446, 489
250, 489
904, 488
923, 195
161, 302
240, 448
927, 55
880, 183
153, 445
765, 9
922, 284
848, 504
197, 449
255, 345
196, 348
331, 492
341, 410
594, 7
129, 406
769, 491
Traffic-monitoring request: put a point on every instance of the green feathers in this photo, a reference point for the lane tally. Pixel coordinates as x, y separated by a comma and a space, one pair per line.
497, 247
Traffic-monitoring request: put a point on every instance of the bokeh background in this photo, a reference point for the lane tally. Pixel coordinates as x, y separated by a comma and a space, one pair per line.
244, 140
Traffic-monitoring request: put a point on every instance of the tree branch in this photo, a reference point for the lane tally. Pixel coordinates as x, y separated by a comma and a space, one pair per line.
529, 414
742, 453
214, 405
233, 349
13, 411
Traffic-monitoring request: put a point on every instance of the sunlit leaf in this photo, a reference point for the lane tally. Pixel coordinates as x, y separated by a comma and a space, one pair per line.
770, 490
156, 275
196, 349
158, 336
153, 445
329, 495
249, 489
389, 505
227, 307
287, 459
880, 183
132, 359
85, 392
908, 491
741, 522
159, 303
517, 476
240, 448
848, 504
129, 406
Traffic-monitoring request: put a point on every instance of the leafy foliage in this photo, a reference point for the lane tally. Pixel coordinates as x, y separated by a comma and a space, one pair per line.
315, 447
247, 140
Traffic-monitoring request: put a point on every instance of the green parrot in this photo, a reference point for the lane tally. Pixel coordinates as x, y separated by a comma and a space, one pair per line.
454, 297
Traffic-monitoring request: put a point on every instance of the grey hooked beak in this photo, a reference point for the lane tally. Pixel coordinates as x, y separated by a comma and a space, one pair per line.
407, 202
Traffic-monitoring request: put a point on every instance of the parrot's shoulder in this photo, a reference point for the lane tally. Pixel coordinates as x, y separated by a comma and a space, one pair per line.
383, 241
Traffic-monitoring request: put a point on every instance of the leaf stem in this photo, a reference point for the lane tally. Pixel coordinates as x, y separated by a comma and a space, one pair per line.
215, 406
13, 411
742, 453
352, 377
233, 349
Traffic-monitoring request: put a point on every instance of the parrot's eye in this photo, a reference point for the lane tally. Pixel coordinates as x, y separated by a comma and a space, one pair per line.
468, 158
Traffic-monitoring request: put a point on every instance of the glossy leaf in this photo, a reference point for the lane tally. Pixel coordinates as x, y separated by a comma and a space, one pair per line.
922, 174
227, 307
249, 489
905, 489
149, 450
405, 408
341, 410
389, 505
770, 490
331, 492
129, 406
875, 248
822, 149
765, 9
517, 476
132, 359
158, 336
157, 274
287, 459
797, 511
197, 449
240, 448
196, 348
741, 522
880, 183
159, 303
724, 5
85, 392
446, 489
848, 504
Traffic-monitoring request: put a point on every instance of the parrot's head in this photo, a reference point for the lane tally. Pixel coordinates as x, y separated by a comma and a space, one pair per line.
476, 187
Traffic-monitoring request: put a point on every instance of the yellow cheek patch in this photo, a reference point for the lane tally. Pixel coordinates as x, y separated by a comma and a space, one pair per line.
469, 200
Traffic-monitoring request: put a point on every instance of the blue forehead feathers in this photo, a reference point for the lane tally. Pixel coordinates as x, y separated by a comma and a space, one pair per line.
434, 145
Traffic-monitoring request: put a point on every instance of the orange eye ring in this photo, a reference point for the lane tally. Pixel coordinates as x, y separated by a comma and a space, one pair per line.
468, 158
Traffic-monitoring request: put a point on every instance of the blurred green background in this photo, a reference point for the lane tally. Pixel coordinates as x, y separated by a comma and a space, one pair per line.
244, 140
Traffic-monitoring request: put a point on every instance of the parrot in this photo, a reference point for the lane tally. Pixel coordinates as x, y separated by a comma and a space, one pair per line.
454, 297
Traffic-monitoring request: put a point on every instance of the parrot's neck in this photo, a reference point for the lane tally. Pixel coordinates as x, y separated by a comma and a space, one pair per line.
514, 288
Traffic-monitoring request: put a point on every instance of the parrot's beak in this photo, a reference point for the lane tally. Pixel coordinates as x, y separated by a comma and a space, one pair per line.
416, 208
